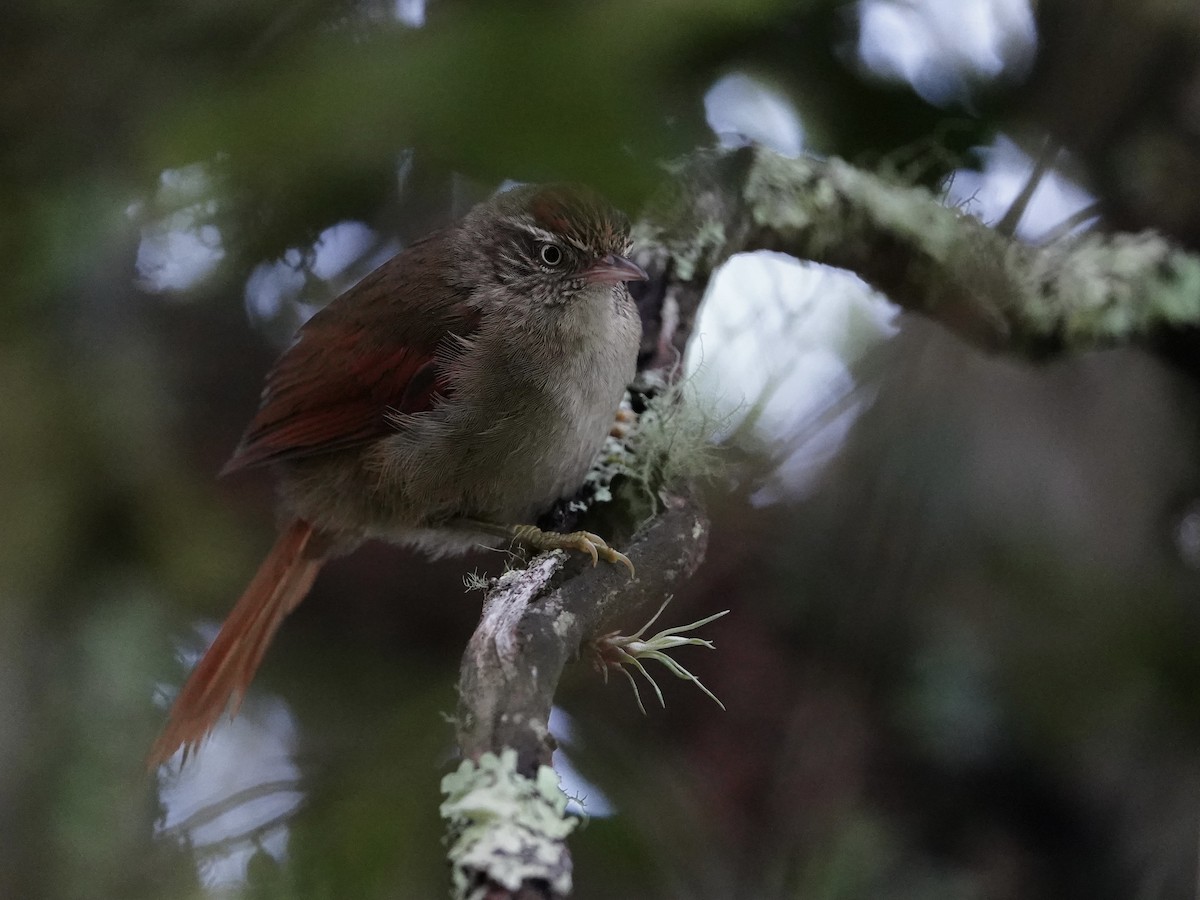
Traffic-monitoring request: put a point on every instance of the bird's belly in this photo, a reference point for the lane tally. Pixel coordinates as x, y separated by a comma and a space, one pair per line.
506, 471
504, 458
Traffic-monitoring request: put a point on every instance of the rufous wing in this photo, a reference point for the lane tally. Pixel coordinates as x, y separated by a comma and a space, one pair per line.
377, 350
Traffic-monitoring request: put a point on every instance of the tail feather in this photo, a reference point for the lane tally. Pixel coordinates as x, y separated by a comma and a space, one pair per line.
227, 668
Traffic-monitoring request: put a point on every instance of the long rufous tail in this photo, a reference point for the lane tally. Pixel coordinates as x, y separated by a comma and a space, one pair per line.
227, 668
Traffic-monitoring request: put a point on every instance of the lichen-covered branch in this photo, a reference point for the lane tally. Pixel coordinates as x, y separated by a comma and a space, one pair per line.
506, 830
989, 289
528, 634
534, 622
1092, 290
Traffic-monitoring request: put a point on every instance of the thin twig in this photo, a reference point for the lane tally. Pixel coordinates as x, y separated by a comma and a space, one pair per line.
1008, 223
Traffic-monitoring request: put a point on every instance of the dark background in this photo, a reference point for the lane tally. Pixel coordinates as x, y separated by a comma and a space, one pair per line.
963, 663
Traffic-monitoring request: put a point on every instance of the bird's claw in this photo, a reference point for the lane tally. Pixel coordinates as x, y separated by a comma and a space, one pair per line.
596, 547
582, 541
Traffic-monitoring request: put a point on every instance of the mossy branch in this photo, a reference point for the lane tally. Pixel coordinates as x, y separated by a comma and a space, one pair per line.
997, 293
992, 291
534, 622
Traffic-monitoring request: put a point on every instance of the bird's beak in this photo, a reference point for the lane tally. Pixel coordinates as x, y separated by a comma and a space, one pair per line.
613, 269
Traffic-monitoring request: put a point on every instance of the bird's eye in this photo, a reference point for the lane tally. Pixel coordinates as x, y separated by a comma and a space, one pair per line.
550, 254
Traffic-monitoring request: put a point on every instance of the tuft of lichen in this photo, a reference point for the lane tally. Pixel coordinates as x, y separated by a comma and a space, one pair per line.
1105, 288
505, 828
474, 581
673, 443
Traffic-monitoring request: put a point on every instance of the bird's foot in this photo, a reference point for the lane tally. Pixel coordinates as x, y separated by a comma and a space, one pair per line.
583, 541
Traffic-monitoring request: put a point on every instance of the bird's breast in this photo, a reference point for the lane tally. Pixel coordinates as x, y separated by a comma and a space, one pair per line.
525, 415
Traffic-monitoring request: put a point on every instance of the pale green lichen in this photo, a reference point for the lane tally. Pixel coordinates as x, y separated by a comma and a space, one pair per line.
1097, 289
822, 197
673, 443
707, 240
785, 193
692, 233
505, 828
910, 213
822, 206
1178, 295
695, 252
1110, 287
476, 581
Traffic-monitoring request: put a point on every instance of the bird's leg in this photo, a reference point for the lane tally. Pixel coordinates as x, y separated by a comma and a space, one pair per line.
532, 536
583, 541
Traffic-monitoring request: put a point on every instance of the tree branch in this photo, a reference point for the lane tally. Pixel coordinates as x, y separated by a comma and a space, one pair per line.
990, 290
1088, 291
535, 620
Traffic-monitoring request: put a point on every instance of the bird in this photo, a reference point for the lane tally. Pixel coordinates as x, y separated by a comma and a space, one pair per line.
446, 400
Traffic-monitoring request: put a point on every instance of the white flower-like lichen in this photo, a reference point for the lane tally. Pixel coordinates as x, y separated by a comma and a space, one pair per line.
505, 828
